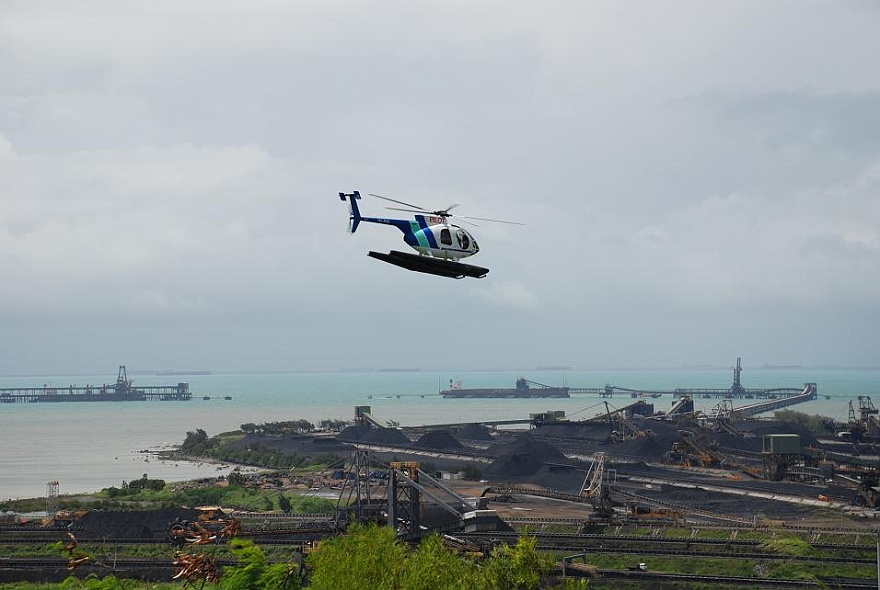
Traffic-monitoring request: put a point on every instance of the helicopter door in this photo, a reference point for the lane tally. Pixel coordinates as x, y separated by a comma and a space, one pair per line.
445, 237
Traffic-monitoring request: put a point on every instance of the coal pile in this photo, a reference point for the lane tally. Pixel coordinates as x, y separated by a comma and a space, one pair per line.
513, 466
522, 459
652, 446
115, 524
295, 444
563, 478
385, 436
645, 448
366, 433
439, 440
473, 432
354, 433
591, 431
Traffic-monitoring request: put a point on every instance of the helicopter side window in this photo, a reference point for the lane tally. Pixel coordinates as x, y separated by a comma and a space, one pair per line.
463, 240
445, 237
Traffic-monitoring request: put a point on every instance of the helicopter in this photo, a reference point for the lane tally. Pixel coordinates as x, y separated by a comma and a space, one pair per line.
440, 244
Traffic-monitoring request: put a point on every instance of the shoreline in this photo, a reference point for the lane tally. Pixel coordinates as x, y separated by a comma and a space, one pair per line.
162, 457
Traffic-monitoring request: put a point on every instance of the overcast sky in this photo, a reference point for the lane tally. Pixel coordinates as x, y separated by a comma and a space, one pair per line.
699, 181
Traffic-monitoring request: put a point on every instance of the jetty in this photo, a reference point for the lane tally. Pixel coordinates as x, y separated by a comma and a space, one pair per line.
735, 391
123, 390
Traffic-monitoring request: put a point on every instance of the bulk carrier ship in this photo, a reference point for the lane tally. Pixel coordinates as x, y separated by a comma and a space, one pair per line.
524, 389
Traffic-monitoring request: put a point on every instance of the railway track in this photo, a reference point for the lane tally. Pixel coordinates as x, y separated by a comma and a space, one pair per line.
277, 525
651, 579
670, 547
160, 566
688, 541
792, 527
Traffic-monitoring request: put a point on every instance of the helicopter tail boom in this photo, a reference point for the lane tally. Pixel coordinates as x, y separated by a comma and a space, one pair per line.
354, 213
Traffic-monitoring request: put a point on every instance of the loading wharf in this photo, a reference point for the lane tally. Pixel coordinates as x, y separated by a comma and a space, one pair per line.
121, 391
735, 391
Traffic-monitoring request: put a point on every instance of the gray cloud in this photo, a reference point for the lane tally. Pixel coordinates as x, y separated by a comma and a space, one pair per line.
698, 182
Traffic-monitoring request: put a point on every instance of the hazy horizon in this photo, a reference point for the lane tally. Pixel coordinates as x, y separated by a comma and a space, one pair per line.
536, 370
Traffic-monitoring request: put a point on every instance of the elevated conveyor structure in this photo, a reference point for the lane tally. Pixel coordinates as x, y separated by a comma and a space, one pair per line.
808, 394
624, 410
363, 415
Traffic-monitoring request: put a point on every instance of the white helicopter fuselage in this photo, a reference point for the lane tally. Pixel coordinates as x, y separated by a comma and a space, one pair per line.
440, 240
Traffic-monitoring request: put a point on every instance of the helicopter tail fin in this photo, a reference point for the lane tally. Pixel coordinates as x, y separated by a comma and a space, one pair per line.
354, 213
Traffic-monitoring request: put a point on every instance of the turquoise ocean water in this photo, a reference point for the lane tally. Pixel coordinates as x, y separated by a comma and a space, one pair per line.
89, 446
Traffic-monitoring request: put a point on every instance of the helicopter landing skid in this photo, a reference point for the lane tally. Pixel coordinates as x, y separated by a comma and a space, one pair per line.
432, 266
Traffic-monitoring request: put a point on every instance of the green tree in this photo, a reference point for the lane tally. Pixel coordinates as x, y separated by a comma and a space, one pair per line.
815, 423
93, 582
573, 584
284, 503
330, 424
304, 425
367, 558
433, 566
371, 557
253, 571
789, 546
195, 441
520, 567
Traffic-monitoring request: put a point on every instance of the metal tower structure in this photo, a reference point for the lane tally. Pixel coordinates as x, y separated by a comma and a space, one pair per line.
355, 502
404, 498
52, 498
737, 388
402, 507
123, 383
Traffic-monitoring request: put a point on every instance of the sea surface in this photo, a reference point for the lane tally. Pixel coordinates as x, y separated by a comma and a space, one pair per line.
90, 446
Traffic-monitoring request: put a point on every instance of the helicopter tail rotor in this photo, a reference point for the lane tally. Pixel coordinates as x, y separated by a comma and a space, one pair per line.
354, 217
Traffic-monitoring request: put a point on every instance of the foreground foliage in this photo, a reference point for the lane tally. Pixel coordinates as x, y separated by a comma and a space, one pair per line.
371, 558
367, 558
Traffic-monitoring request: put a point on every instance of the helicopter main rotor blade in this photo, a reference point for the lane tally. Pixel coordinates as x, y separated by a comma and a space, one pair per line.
495, 220
440, 213
462, 220
411, 210
395, 201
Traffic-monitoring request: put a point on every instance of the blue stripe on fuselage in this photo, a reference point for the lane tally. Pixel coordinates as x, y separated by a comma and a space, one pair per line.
423, 225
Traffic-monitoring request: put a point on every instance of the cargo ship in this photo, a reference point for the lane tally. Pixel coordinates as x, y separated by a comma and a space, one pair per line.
524, 389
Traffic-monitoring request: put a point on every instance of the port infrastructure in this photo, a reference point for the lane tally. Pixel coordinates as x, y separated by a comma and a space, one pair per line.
122, 390
402, 499
735, 391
